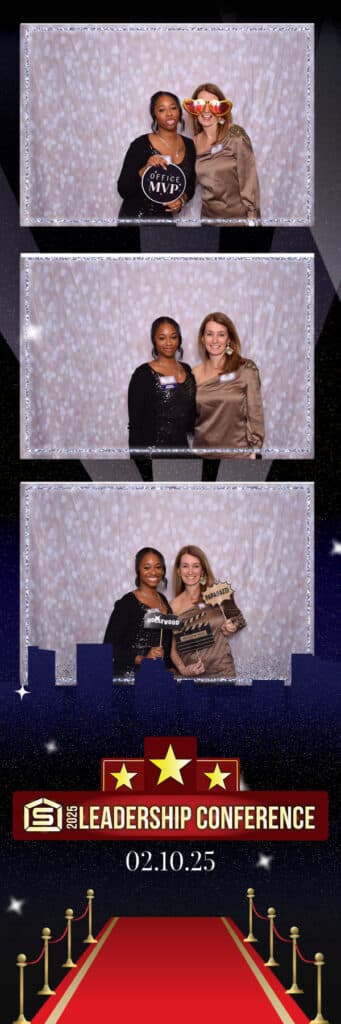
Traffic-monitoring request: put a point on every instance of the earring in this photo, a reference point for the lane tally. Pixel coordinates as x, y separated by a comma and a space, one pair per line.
221, 120
228, 350
203, 580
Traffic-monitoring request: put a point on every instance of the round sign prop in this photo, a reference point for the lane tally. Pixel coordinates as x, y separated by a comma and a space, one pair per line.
163, 184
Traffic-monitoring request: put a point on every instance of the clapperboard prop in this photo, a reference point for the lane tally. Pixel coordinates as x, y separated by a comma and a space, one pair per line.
195, 632
163, 184
153, 619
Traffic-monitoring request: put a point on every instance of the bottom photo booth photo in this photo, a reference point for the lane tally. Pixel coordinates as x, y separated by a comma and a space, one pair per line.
251, 546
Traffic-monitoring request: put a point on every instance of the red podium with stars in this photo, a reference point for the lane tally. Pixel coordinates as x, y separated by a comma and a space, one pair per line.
164, 764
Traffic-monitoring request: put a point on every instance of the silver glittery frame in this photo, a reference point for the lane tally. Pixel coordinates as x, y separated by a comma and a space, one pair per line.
30, 452
26, 569
26, 33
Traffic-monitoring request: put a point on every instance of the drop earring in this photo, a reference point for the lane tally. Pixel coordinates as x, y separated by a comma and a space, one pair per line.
228, 350
202, 580
221, 120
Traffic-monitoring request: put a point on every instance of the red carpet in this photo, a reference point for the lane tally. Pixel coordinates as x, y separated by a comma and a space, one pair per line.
157, 970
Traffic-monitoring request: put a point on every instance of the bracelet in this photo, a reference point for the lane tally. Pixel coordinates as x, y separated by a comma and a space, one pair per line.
182, 201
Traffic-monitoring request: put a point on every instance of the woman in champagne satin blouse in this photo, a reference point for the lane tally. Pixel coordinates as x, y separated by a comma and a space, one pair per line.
211, 656
225, 165
230, 419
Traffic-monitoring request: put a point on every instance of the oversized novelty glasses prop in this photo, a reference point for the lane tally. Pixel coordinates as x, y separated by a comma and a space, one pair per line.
217, 107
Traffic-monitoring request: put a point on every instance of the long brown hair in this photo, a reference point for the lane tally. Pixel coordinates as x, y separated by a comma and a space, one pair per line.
233, 361
191, 549
222, 129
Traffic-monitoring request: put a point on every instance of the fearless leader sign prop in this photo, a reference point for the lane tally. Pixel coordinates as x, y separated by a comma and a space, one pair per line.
170, 793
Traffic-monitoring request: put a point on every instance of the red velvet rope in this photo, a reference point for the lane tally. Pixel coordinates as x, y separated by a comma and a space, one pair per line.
261, 918
303, 957
31, 963
81, 916
280, 936
53, 942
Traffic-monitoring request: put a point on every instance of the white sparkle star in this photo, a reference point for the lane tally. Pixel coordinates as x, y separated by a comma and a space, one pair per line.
264, 861
336, 549
51, 747
15, 906
22, 692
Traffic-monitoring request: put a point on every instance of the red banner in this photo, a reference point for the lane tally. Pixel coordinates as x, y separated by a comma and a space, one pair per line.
265, 815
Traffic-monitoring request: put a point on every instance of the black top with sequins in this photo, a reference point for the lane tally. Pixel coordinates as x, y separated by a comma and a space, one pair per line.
160, 416
135, 203
126, 632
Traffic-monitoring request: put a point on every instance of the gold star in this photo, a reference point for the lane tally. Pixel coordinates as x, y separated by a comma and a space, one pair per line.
123, 777
217, 777
170, 766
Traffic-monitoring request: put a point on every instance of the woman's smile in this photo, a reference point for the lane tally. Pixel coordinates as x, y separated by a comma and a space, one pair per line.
215, 338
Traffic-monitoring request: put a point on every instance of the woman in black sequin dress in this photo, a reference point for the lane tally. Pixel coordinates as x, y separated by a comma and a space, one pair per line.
161, 400
131, 642
151, 150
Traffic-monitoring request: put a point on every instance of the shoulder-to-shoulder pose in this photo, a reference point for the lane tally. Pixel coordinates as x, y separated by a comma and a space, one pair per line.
131, 640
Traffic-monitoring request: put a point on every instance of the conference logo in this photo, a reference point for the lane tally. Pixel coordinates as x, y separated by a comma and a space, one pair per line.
43, 815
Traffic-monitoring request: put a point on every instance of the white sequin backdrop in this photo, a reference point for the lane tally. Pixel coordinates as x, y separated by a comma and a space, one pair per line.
79, 543
85, 95
86, 326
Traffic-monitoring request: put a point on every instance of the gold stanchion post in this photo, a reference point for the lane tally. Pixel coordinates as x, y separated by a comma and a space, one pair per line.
46, 990
271, 962
250, 895
294, 990
90, 897
21, 963
319, 963
69, 917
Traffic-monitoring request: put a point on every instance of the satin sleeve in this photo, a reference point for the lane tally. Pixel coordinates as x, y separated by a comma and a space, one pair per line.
255, 415
232, 612
247, 176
